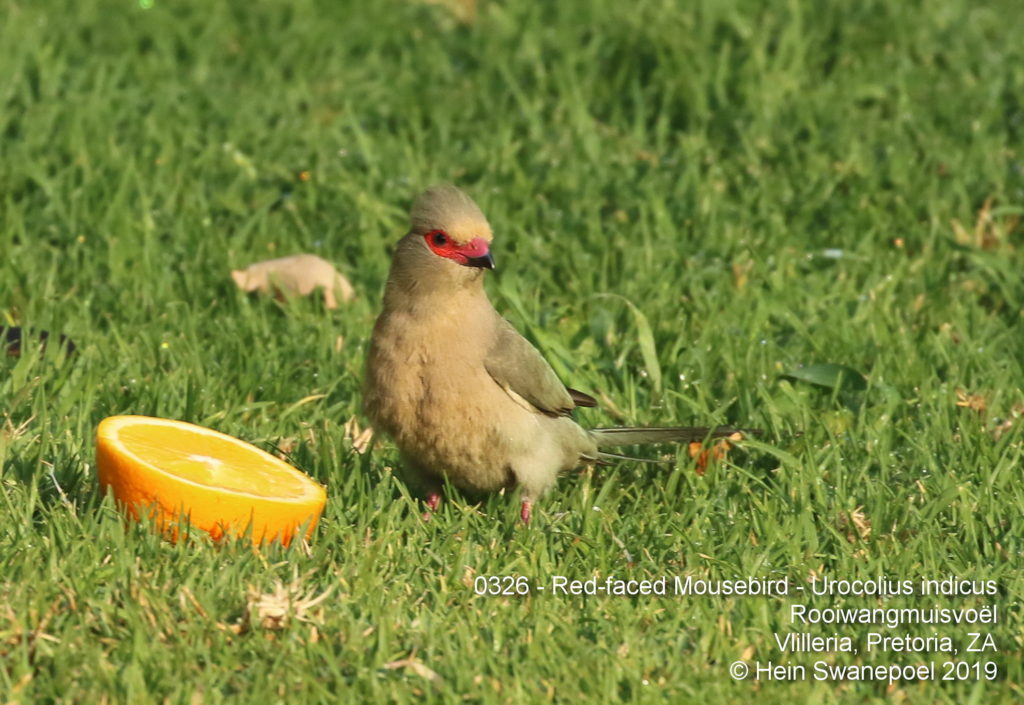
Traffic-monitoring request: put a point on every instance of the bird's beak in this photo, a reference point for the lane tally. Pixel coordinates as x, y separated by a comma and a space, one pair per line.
478, 254
485, 261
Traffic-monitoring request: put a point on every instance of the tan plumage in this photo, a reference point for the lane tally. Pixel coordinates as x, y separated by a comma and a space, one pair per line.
463, 395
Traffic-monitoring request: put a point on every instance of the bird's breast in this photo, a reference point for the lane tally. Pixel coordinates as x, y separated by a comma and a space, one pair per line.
428, 388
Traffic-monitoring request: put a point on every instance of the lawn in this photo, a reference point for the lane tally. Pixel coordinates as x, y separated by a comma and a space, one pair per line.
798, 217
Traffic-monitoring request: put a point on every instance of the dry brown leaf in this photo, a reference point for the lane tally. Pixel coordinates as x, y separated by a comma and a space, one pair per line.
359, 437
975, 402
416, 666
12, 432
296, 275
988, 233
285, 446
741, 273
186, 594
22, 682
283, 604
921, 489
1006, 424
233, 628
855, 524
718, 451
948, 330
645, 155
464, 11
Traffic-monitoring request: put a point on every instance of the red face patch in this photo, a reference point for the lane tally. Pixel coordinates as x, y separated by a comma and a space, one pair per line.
442, 245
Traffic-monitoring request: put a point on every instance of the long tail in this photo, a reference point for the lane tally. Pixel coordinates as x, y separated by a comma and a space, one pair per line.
613, 437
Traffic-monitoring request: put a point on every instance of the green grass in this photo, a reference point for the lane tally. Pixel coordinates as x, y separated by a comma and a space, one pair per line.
701, 160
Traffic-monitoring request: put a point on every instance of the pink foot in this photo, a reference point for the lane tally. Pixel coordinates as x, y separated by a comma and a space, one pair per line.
433, 499
524, 511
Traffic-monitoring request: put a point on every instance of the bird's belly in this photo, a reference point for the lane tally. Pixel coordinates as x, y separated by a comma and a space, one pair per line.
471, 438
461, 426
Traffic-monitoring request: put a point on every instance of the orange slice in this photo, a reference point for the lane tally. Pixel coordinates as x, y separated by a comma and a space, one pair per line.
168, 469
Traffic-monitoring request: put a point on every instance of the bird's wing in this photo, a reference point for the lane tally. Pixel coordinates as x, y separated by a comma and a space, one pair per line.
581, 398
517, 366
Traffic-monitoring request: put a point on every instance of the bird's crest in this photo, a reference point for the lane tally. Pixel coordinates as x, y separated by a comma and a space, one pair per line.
447, 208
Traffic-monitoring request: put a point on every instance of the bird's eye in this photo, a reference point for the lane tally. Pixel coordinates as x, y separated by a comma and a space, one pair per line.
440, 239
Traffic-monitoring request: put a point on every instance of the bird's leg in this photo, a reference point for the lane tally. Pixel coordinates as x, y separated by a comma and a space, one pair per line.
524, 511
433, 499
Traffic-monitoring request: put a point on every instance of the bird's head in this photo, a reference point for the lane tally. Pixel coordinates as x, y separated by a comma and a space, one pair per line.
451, 228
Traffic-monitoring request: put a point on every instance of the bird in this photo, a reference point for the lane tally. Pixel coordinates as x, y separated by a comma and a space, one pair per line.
463, 395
